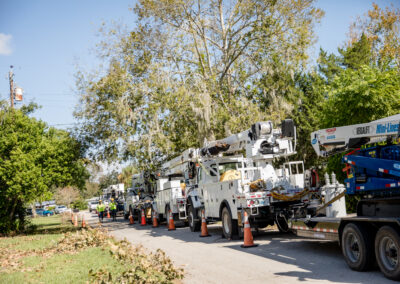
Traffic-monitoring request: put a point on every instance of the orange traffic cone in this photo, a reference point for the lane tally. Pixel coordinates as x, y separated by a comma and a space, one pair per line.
155, 221
83, 222
248, 237
204, 230
108, 214
131, 222
171, 224
143, 223
76, 221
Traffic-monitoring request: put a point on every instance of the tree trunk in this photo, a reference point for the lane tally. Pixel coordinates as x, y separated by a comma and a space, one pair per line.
33, 207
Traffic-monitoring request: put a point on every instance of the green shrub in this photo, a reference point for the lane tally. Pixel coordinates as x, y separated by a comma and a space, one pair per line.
79, 204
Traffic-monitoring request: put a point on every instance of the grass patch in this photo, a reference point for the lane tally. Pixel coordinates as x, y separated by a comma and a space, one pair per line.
64, 268
57, 252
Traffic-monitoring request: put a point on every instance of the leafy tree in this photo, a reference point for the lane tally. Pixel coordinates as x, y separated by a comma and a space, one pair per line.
206, 75
359, 96
125, 176
108, 179
381, 28
33, 159
311, 93
66, 195
358, 54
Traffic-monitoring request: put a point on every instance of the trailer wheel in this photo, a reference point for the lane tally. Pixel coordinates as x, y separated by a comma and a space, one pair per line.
357, 247
387, 251
229, 227
282, 224
192, 215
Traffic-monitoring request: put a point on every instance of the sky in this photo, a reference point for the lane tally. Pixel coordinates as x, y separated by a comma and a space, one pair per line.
45, 41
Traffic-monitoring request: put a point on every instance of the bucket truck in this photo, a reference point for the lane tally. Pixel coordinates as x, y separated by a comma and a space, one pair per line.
116, 192
236, 173
140, 195
372, 168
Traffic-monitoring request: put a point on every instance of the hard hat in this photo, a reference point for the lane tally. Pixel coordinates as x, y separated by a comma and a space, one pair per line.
112, 199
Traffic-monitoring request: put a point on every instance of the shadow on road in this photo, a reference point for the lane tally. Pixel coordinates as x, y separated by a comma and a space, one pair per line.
317, 259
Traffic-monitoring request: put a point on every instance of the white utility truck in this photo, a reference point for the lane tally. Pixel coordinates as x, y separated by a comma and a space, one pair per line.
373, 174
140, 196
116, 192
236, 173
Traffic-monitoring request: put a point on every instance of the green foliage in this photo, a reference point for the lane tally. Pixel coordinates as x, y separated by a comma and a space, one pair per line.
33, 159
80, 204
215, 69
363, 95
358, 54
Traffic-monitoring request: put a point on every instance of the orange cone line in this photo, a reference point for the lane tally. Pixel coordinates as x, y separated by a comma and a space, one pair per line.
248, 237
204, 230
171, 225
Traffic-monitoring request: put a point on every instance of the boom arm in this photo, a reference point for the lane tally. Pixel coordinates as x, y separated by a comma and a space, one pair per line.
337, 139
373, 169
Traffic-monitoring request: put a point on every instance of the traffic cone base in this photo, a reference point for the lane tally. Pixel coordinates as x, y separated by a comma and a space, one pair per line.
204, 230
249, 246
171, 224
248, 237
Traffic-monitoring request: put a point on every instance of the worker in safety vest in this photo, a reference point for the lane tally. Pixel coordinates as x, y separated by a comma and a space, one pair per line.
100, 210
113, 209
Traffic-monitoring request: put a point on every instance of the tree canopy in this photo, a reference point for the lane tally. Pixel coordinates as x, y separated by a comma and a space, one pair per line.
190, 71
33, 160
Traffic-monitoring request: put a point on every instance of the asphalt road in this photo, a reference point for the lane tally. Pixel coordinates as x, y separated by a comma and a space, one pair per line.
279, 258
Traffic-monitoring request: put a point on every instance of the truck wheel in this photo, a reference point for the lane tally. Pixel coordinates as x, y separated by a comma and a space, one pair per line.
387, 251
357, 247
282, 224
229, 226
192, 215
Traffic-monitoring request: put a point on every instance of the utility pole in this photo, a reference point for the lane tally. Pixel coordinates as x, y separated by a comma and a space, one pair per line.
11, 78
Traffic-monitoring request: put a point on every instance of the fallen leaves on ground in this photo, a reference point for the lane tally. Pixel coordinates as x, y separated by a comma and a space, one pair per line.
141, 266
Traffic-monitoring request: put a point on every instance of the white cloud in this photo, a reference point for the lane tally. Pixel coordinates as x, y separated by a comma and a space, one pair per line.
5, 44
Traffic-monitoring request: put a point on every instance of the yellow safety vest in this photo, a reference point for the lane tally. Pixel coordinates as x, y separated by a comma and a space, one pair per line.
113, 206
101, 207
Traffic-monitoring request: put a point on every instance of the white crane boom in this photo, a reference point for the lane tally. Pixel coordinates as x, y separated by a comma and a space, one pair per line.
261, 141
336, 139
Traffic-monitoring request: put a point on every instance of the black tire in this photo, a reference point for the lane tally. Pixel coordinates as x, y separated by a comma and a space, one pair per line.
192, 215
387, 251
229, 226
357, 247
282, 225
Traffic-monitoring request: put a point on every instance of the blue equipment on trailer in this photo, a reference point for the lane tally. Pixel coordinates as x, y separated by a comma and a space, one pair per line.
373, 173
